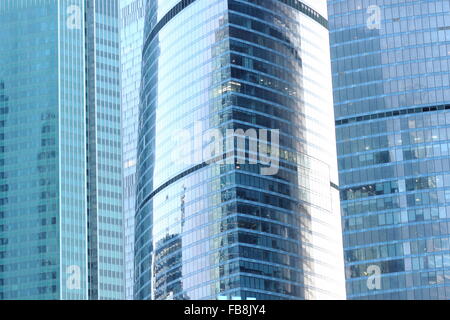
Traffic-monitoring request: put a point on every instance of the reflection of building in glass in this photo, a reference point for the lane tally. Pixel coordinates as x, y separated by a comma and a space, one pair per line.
168, 264
50, 125
392, 102
131, 39
167, 280
237, 233
43, 177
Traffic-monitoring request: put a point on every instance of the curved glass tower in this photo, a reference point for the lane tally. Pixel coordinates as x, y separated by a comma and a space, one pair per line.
392, 100
253, 214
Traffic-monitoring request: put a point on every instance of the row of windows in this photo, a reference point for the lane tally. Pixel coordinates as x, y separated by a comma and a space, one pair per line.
43, 276
393, 202
399, 76
394, 121
39, 291
383, 188
10, 225
412, 282
394, 218
416, 168
401, 100
415, 247
405, 154
30, 237
399, 139
396, 233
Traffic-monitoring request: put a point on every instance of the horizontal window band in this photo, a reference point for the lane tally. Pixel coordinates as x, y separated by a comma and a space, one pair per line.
390, 114
180, 6
334, 186
184, 174
172, 181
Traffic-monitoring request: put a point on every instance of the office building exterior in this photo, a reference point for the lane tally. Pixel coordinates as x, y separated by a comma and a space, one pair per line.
391, 72
104, 147
131, 39
60, 153
210, 223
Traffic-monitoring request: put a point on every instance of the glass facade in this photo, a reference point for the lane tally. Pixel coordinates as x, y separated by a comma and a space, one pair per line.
391, 70
105, 207
42, 153
131, 39
225, 229
60, 152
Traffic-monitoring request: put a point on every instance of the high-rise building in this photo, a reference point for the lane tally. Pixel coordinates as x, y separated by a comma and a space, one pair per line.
104, 147
237, 186
391, 71
131, 40
60, 151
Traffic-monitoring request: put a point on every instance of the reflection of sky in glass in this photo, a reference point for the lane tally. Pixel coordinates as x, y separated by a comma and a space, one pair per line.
132, 19
391, 102
215, 231
43, 170
104, 152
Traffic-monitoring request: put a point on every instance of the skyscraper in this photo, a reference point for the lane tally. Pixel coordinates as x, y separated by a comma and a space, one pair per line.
392, 100
104, 146
253, 214
43, 174
60, 153
132, 37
